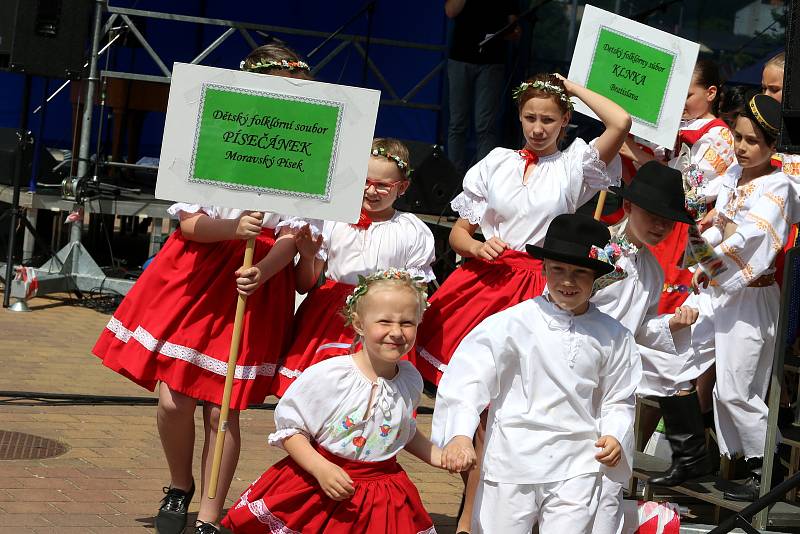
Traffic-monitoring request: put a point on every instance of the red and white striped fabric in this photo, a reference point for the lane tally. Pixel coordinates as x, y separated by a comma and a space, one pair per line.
658, 518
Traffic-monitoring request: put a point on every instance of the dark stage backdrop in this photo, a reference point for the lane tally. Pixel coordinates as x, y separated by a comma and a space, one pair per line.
420, 21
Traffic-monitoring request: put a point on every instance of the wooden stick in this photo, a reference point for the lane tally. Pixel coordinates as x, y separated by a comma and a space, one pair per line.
233, 355
601, 201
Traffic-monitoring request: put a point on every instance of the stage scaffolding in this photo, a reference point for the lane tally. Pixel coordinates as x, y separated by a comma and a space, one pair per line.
72, 268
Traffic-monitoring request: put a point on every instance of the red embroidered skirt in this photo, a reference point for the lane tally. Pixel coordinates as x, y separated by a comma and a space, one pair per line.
677, 281
286, 499
470, 294
176, 322
319, 333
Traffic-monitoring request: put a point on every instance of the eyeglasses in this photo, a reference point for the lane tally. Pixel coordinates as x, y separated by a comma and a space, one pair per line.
381, 187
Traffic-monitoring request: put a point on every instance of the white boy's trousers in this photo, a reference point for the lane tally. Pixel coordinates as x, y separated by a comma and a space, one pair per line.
738, 331
558, 507
610, 515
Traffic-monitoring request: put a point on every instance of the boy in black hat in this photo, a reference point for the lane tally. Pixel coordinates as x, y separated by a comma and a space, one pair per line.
739, 312
558, 377
653, 203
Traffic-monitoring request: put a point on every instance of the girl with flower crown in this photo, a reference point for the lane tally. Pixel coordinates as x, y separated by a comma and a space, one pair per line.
174, 327
384, 237
511, 196
343, 422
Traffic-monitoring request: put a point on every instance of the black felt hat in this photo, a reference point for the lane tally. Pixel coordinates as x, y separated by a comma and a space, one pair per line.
658, 189
570, 238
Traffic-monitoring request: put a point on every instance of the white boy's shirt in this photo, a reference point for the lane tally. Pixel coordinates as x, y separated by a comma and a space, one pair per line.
633, 301
554, 383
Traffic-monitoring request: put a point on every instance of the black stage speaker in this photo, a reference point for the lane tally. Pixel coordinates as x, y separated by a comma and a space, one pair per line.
45, 37
434, 182
789, 139
9, 148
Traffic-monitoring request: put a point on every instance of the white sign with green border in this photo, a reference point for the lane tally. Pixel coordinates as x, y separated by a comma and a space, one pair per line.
644, 70
269, 143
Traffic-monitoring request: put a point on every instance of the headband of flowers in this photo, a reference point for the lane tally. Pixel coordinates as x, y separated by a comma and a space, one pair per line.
379, 151
282, 64
545, 86
364, 282
611, 253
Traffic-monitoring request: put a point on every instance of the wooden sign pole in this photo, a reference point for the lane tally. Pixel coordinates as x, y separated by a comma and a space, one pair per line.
233, 355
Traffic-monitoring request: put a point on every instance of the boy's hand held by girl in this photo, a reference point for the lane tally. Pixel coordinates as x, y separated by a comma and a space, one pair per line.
458, 455
249, 225
611, 452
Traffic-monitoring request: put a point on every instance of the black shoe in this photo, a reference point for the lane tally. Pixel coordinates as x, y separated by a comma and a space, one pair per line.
205, 528
747, 492
684, 429
171, 518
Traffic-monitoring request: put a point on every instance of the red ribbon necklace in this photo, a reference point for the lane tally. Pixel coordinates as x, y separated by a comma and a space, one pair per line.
364, 221
529, 157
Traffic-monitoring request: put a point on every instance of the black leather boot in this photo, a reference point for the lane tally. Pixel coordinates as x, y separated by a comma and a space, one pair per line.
749, 490
683, 424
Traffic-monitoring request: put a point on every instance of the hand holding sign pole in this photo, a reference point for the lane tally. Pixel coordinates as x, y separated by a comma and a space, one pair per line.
266, 143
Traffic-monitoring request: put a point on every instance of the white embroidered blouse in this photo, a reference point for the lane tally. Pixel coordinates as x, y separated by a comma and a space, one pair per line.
496, 198
403, 241
763, 214
328, 404
554, 383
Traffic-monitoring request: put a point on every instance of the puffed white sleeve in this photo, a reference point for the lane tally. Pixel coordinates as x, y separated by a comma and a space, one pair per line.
618, 380
470, 382
751, 250
588, 174
304, 408
296, 223
421, 250
471, 203
184, 207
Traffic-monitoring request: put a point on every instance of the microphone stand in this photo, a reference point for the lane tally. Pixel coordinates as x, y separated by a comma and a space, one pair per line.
369, 9
642, 15
508, 28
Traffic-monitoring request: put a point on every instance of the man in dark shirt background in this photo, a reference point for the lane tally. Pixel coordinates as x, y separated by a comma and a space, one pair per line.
476, 76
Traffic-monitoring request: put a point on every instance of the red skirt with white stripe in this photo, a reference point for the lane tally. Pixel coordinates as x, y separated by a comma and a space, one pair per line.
175, 324
319, 333
288, 500
470, 294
